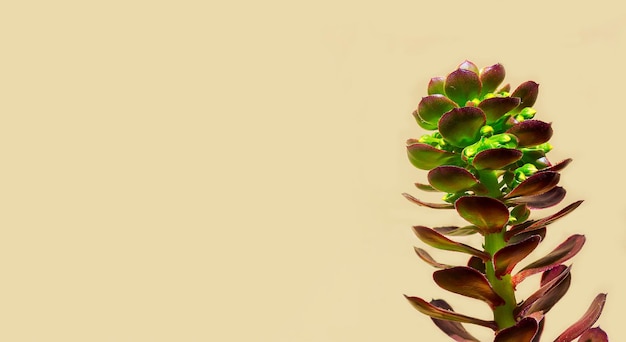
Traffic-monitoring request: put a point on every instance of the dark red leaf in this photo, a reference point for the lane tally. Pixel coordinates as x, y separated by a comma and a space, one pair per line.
495, 107
588, 319
558, 166
594, 335
457, 231
435, 312
434, 239
552, 273
507, 258
462, 86
491, 77
496, 158
461, 126
537, 184
427, 204
523, 331
531, 132
468, 282
527, 92
428, 259
451, 179
545, 200
453, 329
488, 214
538, 224
524, 308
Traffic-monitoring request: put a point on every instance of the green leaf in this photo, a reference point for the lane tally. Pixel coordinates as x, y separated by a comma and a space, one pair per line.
462, 86
461, 126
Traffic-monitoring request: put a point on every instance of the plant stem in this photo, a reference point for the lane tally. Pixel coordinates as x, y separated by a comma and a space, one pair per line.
503, 314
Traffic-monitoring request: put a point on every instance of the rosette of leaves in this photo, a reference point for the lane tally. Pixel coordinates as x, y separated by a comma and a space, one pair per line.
487, 154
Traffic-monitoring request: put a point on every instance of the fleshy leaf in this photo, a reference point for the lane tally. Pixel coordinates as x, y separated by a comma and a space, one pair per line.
468, 65
538, 224
425, 187
552, 273
536, 184
531, 132
432, 107
457, 231
588, 319
496, 158
453, 329
436, 85
523, 308
426, 157
477, 263
495, 107
523, 331
435, 312
461, 126
468, 282
545, 200
537, 338
527, 92
428, 259
491, 77
520, 213
462, 86
594, 335
427, 204
451, 179
423, 123
434, 239
488, 214
548, 299
506, 258
523, 236
558, 166
560, 254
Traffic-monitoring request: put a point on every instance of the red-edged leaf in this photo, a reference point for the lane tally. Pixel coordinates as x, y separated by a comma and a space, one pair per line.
427, 204
436, 84
523, 309
537, 184
523, 236
496, 158
544, 303
594, 335
425, 187
558, 166
488, 214
588, 319
545, 200
491, 77
537, 338
495, 107
552, 273
527, 92
428, 259
560, 254
468, 65
468, 282
432, 107
451, 179
434, 239
462, 86
523, 331
538, 224
453, 329
435, 312
426, 157
531, 132
507, 258
461, 126
457, 231
476, 263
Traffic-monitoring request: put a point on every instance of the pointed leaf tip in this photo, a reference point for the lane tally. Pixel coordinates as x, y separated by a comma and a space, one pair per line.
523, 331
594, 335
468, 282
453, 329
584, 323
435, 312
488, 214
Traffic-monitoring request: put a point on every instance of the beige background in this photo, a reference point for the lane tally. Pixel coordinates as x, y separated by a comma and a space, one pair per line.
197, 171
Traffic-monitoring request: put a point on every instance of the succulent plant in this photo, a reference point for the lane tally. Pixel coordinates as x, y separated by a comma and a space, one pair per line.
487, 154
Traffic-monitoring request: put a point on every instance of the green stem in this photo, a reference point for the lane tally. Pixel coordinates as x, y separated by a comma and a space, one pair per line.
503, 314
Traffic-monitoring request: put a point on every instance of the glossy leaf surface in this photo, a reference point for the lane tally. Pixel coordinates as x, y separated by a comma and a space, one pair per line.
488, 214
594, 335
558, 167
527, 92
560, 254
496, 158
457, 231
462, 86
523, 331
451, 179
523, 308
545, 200
461, 126
491, 77
434, 239
495, 107
428, 259
507, 258
588, 319
435, 312
538, 224
432, 107
426, 157
453, 329
531, 132
436, 85
428, 204
468, 282
536, 184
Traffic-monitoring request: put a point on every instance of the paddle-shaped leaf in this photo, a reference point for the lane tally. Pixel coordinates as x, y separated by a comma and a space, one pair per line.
468, 282
556, 279
426, 157
496, 158
435, 312
462, 86
425, 187
536, 184
545, 200
588, 319
560, 254
432, 107
434, 239
457, 231
558, 167
594, 335
451, 179
488, 214
468, 65
461, 126
491, 77
548, 298
527, 92
531, 132
495, 107
523, 331
427, 204
453, 329
507, 258
435, 85
428, 259
538, 224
